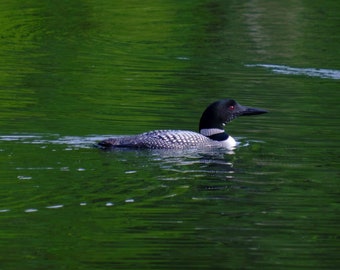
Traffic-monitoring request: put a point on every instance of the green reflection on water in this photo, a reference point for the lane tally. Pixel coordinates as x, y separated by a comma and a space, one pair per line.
76, 68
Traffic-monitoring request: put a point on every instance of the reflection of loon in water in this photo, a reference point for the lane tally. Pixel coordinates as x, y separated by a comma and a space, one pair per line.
212, 133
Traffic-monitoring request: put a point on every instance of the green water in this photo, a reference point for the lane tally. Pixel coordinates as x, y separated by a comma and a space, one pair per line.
75, 72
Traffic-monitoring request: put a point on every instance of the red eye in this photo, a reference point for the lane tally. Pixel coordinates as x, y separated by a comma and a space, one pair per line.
231, 107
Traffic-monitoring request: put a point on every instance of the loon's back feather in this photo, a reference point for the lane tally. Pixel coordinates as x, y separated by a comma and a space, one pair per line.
160, 139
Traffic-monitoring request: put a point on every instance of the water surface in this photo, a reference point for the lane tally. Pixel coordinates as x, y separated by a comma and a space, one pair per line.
75, 73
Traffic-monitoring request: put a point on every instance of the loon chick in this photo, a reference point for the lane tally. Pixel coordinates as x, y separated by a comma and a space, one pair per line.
212, 133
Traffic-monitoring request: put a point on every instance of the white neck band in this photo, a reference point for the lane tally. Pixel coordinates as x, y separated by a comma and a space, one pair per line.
211, 131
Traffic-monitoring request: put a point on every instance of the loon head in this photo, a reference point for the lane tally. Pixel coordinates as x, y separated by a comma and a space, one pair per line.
221, 112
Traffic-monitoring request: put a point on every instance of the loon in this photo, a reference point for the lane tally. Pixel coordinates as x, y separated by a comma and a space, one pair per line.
211, 131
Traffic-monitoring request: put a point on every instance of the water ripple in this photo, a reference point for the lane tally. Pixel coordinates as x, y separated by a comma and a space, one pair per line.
43, 139
311, 72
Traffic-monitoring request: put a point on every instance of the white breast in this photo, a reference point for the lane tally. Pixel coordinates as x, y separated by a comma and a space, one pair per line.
229, 143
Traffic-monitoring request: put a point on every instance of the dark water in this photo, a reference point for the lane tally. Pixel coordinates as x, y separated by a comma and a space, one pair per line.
72, 73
